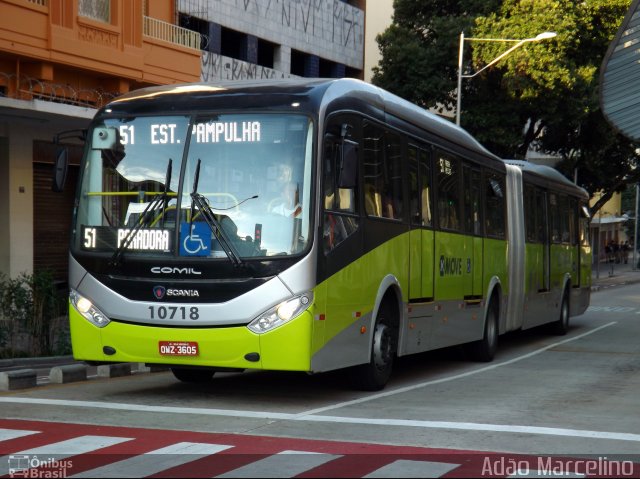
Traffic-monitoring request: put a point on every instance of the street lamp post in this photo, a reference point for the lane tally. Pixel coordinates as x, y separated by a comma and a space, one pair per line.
519, 43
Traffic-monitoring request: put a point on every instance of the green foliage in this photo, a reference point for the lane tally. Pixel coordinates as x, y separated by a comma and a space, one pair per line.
29, 304
420, 49
543, 95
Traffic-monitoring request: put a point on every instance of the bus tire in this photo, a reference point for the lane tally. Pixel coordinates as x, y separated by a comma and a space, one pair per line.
561, 326
374, 375
485, 349
188, 375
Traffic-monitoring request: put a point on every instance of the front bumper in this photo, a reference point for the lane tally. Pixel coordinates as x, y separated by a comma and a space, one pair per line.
286, 348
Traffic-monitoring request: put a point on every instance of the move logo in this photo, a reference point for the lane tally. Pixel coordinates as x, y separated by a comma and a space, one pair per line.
450, 266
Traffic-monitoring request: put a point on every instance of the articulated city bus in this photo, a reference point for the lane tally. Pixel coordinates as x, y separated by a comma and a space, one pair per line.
309, 225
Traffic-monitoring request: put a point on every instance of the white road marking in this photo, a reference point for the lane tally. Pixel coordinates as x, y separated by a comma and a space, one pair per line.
8, 434
490, 367
283, 464
63, 449
156, 461
313, 415
406, 468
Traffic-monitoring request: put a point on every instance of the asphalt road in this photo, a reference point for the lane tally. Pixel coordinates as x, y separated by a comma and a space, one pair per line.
575, 394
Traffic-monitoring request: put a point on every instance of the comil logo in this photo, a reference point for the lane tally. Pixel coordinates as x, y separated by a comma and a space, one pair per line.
174, 270
159, 292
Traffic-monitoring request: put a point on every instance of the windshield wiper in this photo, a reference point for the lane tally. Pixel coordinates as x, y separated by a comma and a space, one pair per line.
143, 220
209, 217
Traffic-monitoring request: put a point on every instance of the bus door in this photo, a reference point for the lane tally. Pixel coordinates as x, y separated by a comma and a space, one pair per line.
542, 206
585, 248
473, 230
421, 235
573, 241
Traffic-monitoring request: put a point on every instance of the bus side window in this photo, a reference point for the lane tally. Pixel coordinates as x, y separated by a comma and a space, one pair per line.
541, 212
554, 210
529, 214
584, 218
472, 201
419, 161
340, 181
448, 182
495, 205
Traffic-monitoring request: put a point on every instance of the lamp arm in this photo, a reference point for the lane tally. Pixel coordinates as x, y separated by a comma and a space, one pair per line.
498, 58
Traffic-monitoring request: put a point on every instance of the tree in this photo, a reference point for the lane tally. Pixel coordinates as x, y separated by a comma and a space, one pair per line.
420, 50
542, 96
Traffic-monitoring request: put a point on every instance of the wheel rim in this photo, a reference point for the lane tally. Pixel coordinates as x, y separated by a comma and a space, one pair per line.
382, 347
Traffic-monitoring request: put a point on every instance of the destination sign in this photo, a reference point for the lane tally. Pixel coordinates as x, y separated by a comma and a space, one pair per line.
212, 132
106, 238
227, 132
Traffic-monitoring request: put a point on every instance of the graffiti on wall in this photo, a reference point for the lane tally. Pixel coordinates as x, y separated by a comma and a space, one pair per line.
218, 67
328, 20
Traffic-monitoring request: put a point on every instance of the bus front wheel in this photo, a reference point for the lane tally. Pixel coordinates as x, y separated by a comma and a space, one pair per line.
187, 375
374, 375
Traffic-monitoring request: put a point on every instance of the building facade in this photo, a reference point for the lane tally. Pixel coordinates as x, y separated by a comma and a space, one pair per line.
265, 39
60, 60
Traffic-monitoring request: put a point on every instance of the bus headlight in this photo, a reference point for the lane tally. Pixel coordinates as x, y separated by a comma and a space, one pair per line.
88, 310
282, 313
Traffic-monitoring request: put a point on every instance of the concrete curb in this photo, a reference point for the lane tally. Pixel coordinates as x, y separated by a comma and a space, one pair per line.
18, 379
68, 374
114, 370
45, 361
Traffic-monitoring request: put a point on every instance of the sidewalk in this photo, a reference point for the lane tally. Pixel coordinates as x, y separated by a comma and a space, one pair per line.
622, 274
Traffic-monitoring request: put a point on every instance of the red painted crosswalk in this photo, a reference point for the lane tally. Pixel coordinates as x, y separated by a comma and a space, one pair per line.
48, 449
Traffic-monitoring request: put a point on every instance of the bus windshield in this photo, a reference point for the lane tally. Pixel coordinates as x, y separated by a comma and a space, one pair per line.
232, 186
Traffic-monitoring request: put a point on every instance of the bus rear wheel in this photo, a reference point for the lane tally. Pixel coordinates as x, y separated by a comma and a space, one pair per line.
187, 375
561, 326
374, 375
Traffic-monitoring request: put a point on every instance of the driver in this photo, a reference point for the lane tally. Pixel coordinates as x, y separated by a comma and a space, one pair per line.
289, 202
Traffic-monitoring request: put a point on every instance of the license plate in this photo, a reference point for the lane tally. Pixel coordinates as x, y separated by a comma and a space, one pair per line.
178, 348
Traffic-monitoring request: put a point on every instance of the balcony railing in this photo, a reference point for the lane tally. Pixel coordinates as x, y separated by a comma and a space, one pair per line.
171, 33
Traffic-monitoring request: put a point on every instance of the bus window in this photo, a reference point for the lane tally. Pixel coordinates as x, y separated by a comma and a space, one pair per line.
419, 186
393, 186
554, 211
382, 173
573, 219
471, 179
541, 212
584, 217
414, 185
340, 203
530, 214
495, 204
425, 188
373, 165
448, 180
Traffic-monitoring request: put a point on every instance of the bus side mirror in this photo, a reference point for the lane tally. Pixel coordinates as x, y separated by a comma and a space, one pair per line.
60, 168
348, 165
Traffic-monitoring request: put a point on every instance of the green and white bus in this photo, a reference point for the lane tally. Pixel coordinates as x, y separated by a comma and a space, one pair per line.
309, 225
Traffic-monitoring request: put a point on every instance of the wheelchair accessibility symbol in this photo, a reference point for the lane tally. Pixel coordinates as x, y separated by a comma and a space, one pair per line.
195, 239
